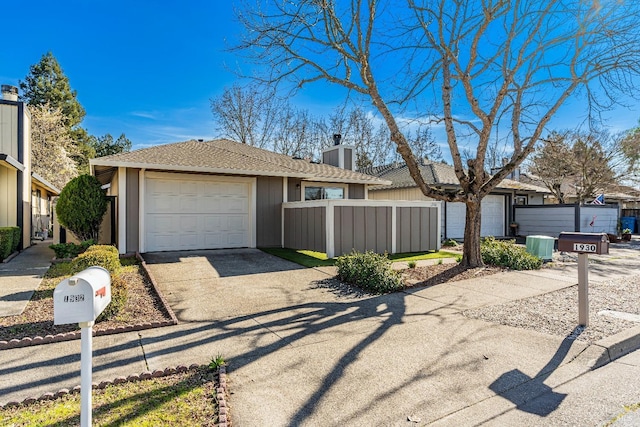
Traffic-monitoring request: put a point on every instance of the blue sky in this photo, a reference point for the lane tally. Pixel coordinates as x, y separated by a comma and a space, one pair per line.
149, 69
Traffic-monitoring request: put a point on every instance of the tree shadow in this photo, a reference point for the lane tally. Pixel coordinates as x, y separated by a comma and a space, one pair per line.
522, 390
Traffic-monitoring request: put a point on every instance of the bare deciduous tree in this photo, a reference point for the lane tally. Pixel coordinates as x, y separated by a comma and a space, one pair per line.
52, 147
247, 114
486, 64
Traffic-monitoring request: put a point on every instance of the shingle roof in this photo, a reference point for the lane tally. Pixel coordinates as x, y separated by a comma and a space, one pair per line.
229, 157
435, 174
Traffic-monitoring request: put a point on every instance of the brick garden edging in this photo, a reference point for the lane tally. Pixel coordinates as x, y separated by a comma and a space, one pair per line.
221, 389
68, 336
152, 279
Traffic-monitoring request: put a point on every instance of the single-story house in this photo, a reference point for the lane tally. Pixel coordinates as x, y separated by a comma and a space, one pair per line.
624, 196
25, 197
223, 194
497, 210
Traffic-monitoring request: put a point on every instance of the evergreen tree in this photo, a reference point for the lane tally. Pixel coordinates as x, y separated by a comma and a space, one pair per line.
46, 83
106, 146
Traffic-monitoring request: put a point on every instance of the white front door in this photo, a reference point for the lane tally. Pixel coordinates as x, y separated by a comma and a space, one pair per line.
186, 212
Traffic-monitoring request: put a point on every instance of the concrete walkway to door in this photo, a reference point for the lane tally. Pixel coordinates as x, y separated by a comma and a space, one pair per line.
305, 350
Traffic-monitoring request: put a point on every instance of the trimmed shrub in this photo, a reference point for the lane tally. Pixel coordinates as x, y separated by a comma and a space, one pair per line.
6, 241
119, 293
16, 238
98, 257
505, 253
81, 206
369, 271
71, 250
107, 248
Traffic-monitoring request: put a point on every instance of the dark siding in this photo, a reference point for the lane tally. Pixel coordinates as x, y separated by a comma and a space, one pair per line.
331, 158
362, 228
133, 209
348, 159
304, 229
269, 211
356, 191
294, 189
416, 229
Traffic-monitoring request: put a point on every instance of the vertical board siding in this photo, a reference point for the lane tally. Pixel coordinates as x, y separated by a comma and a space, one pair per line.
417, 229
9, 130
356, 191
304, 228
331, 158
133, 210
348, 159
268, 211
363, 228
294, 186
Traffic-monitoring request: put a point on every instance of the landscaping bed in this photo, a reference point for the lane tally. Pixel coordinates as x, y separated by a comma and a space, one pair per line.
442, 273
193, 396
143, 307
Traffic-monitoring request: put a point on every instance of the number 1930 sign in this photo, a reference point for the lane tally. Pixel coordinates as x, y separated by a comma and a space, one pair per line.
585, 247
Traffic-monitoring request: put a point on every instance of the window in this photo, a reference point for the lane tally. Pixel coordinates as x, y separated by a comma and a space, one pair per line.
520, 200
319, 193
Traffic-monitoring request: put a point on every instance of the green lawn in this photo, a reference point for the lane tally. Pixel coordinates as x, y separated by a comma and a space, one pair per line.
184, 399
319, 259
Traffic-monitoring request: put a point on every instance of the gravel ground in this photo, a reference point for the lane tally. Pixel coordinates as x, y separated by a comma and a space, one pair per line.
556, 313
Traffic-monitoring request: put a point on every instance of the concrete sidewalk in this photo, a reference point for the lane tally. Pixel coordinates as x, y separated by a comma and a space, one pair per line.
22, 275
302, 350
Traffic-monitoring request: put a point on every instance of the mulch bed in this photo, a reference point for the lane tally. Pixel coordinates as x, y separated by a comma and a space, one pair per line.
441, 273
143, 306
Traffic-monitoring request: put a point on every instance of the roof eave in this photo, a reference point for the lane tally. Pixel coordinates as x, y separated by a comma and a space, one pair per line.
44, 183
223, 171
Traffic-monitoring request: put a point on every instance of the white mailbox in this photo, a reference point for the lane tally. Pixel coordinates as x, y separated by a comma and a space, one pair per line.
82, 297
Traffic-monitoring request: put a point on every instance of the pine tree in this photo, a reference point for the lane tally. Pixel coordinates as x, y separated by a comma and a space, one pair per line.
46, 83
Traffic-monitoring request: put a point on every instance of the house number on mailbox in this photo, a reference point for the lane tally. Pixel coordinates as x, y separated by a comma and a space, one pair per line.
74, 298
584, 247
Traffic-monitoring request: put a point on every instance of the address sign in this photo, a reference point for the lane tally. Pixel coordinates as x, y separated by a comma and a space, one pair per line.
585, 247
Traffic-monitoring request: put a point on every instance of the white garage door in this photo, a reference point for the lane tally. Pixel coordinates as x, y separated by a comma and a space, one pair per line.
184, 212
493, 217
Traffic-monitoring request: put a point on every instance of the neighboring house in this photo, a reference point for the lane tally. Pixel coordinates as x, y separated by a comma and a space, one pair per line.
24, 196
42, 194
623, 196
223, 194
497, 210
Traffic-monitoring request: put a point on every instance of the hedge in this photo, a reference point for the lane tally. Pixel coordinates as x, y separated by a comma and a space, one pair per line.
9, 241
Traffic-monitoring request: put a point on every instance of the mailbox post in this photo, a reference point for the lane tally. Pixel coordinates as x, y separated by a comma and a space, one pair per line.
584, 244
80, 299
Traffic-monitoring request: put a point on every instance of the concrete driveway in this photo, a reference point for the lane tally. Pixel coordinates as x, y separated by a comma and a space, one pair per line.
303, 350
221, 284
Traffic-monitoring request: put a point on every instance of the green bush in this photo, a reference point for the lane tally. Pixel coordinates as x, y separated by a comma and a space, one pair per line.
369, 271
98, 257
119, 293
505, 253
107, 248
6, 241
71, 250
16, 238
81, 206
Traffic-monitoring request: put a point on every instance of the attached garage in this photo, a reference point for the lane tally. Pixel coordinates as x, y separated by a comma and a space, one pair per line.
187, 212
493, 217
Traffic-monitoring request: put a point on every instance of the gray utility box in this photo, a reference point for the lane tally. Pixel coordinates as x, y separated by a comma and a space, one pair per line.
584, 243
81, 298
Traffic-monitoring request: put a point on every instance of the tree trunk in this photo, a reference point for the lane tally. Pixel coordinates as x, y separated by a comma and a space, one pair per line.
471, 256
